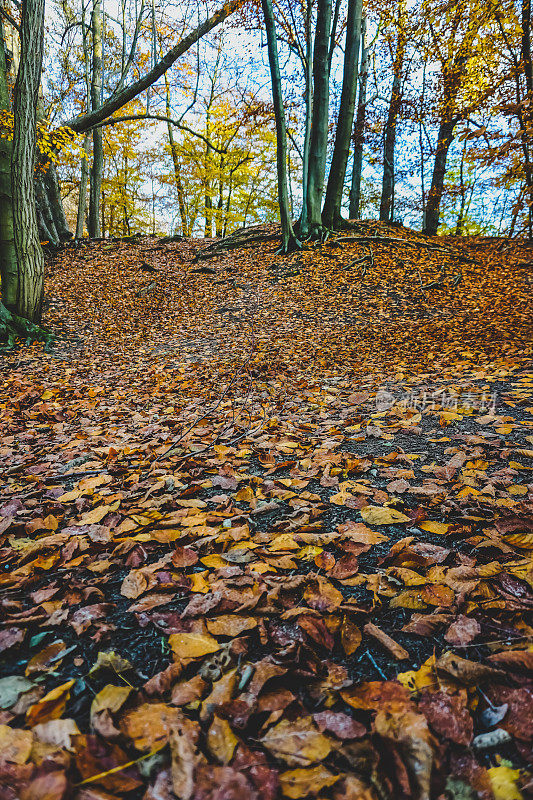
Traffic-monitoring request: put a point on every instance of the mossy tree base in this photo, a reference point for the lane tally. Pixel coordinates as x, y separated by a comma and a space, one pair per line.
14, 328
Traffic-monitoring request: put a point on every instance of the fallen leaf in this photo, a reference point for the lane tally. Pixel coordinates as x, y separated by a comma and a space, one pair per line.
383, 515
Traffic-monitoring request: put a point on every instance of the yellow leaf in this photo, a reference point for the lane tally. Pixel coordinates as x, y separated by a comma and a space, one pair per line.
199, 583
435, 527
214, 561
297, 783
193, 645
309, 552
522, 540
111, 698
383, 515
416, 680
411, 598
97, 514
298, 742
221, 740
230, 625
503, 782
51, 706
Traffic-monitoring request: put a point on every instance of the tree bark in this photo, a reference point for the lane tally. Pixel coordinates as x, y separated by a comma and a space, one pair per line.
308, 97
176, 162
319, 118
97, 168
53, 192
444, 141
389, 142
528, 111
45, 221
331, 213
82, 196
8, 255
30, 259
354, 211
289, 241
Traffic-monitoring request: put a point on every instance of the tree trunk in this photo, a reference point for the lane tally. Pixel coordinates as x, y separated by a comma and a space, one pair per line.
528, 111
53, 192
319, 118
30, 259
354, 211
462, 190
93, 222
177, 167
308, 96
389, 143
289, 241
8, 256
437, 181
331, 213
82, 197
45, 221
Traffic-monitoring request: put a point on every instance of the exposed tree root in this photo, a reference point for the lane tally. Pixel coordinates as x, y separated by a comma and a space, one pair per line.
290, 246
241, 238
14, 328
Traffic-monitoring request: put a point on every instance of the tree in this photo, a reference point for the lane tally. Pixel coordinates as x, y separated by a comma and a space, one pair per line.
359, 129
386, 208
97, 168
23, 260
319, 121
289, 241
23, 281
331, 213
454, 42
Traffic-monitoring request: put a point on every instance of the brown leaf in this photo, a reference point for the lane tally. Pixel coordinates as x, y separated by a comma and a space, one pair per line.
346, 567
49, 786
184, 557
371, 695
134, 584
149, 725
43, 661
447, 715
341, 725
463, 631
297, 742
410, 730
188, 691
222, 783
468, 672
351, 636
230, 625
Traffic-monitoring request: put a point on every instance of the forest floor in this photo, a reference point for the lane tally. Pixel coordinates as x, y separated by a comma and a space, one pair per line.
265, 524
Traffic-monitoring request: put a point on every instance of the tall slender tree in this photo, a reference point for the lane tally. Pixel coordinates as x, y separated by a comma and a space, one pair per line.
289, 241
331, 213
97, 168
319, 120
386, 207
359, 129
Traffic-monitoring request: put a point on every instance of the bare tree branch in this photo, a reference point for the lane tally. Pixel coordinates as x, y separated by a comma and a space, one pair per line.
114, 103
161, 118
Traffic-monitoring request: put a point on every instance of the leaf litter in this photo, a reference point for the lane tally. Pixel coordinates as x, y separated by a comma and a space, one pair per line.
266, 529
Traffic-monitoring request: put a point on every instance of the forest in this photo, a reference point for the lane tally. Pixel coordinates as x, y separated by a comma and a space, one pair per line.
266, 400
